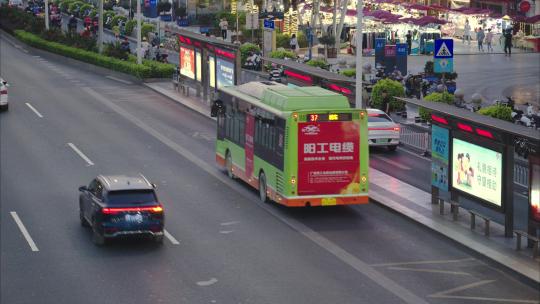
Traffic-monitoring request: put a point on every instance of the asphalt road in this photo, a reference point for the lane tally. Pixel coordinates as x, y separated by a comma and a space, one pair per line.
230, 248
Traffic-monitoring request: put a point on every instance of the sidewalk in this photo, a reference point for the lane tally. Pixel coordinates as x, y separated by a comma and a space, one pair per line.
398, 196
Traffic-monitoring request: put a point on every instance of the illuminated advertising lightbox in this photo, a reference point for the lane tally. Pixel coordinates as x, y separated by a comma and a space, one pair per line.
328, 158
212, 71
535, 191
439, 157
477, 171
225, 73
187, 62
198, 57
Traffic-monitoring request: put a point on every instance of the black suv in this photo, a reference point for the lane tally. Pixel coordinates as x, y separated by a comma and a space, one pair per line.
120, 205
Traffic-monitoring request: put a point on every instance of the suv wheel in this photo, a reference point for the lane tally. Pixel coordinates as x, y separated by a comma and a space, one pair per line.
84, 222
98, 238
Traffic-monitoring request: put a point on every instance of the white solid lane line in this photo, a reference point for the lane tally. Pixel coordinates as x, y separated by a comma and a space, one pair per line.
34, 109
391, 162
84, 157
24, 231
171, 238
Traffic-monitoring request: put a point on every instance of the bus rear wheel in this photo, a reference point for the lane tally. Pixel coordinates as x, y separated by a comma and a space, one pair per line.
228, 165
263, 188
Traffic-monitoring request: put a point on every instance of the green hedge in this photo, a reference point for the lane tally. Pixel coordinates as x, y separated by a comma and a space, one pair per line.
444, 97
318, 63
393, 89
497, 111
282, 54
139, 71
130, 25
349, 72
147, 28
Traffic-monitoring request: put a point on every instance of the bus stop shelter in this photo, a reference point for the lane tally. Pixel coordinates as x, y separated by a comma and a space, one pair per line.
207, 63
300, 74
473, 161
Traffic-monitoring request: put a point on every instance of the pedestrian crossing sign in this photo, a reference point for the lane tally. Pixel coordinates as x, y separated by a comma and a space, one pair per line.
444, 48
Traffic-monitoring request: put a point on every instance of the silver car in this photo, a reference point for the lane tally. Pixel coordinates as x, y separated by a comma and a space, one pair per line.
383, 131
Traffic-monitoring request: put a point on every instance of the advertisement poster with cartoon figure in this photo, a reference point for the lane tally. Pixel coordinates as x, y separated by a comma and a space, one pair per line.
439, 157
187, 62
477, 171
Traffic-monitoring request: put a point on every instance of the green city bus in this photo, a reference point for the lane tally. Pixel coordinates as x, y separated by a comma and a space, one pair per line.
301, 146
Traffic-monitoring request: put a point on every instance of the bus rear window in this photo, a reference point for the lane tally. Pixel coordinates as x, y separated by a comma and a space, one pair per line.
379, 118
131, 197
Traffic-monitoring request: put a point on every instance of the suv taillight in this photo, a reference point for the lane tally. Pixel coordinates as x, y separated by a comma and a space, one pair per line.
153, 209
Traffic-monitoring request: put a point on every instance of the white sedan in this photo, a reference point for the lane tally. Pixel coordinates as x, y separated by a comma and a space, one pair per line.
383, 131
3, 95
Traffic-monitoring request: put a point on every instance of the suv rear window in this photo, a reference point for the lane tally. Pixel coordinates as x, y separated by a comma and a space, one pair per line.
131, 197
379, 118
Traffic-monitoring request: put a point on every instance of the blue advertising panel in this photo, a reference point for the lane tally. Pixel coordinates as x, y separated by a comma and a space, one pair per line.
440, 150
401, 49
225, 73
401, 57
443, 65
380, 43
444, 48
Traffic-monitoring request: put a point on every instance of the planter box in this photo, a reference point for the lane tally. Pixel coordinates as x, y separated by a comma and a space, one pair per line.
332, 52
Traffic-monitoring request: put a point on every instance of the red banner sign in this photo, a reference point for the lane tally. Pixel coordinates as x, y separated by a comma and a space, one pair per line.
328, 158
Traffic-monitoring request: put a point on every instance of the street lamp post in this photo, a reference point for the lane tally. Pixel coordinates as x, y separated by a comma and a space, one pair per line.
139, 50
100, 27
359, 15
47, 14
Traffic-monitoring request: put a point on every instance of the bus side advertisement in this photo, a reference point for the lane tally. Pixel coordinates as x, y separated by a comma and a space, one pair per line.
328, 158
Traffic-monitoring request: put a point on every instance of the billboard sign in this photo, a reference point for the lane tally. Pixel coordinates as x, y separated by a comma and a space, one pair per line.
440, 148
328, 158
225, 73
534, 195
187, 62
477, 171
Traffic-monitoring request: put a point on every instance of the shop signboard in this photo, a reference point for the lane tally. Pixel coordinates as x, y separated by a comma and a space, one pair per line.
328, 158
187, 62
477, 171
440, 147
225, 73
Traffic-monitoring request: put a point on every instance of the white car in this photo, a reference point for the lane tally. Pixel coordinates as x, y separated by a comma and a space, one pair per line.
383, 131
3, 95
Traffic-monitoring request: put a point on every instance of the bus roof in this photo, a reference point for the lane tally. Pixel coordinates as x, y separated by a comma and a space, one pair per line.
283, 98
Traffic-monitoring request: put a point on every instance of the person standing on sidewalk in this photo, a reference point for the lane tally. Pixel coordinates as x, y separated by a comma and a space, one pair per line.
508, 42
467, 32
223, 25
293, 43
489, 39
409, 42
480, 36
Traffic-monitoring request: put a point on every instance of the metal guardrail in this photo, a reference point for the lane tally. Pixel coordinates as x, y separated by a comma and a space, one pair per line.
420, 139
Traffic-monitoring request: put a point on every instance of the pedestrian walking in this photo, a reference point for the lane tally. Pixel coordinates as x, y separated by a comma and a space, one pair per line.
408, 38
467, 32
480, 36
508, 42
293, 43
489, 39
223, 25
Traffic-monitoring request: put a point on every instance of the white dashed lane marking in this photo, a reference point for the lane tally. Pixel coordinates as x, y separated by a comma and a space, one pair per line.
24, 231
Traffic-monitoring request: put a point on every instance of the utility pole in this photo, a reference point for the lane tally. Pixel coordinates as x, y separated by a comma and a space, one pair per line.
139, 25
47, 14
359, 15
100, 27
